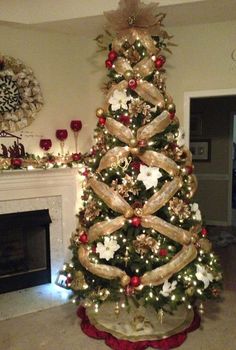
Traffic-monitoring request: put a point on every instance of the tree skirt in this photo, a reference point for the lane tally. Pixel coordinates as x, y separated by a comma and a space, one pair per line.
114, 343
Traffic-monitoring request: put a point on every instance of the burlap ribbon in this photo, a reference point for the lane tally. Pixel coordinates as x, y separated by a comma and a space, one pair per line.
117, 203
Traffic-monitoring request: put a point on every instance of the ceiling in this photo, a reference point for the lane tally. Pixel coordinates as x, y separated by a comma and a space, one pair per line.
85, 16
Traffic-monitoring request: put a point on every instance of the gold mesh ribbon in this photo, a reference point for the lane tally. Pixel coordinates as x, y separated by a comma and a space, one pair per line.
155, 159
113, 157
101, 270
125, 135
177, 234
119, 130
178, 262
117, 203
144, 89
133, 34
162, 196
105, 228
156, 126
112, 199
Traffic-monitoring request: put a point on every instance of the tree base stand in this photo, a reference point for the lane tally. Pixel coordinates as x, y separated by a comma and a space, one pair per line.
138, 329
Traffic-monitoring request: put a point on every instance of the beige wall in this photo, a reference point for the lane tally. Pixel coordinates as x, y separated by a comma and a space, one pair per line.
68, 77
71, 71
202, 60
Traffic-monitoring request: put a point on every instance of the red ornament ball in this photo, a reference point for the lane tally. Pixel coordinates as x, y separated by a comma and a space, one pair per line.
16, 163
108, 64
172, 115
142, 143
189, 169
68, 280
163, 252
124, 119
86, 173
135, 165
94, 249
102, 121
112, 56
76, 157
160, 61
137, 204
136, 221
132, 83
135, 281
204, 232
83, 238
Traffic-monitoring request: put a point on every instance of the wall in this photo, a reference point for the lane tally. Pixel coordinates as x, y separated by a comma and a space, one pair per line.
62, 64
71, 71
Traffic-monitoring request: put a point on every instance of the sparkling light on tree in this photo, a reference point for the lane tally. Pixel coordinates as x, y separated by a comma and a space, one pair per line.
140, 233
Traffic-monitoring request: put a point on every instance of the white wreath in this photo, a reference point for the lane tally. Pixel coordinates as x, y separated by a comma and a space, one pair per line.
20, 94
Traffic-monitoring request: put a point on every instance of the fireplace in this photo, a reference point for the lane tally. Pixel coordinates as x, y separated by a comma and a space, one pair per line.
26, 191
24, 250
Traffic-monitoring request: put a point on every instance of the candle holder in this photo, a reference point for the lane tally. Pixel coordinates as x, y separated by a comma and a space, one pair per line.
76, 126
61, 135
45, 144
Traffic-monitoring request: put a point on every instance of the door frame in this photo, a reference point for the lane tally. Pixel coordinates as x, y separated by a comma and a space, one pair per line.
186, 123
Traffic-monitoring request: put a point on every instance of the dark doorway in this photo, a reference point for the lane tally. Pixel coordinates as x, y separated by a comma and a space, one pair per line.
24, 250
211, 142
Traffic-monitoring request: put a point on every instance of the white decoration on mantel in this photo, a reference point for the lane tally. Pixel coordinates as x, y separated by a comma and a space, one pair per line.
56, 190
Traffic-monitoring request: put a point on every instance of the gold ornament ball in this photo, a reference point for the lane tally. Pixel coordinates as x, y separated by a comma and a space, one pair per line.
125, 280
128, 74
134, 150
99, 112
171, 107
133, 142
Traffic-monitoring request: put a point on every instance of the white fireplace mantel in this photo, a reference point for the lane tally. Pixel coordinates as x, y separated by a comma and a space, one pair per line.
56, 190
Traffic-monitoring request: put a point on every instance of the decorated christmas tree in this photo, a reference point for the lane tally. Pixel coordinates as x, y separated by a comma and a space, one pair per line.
140, 242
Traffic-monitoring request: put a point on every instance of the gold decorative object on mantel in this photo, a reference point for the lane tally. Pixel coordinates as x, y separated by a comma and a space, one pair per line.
20, 94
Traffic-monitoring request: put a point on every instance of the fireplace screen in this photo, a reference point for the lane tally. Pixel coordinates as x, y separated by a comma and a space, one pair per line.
24, 250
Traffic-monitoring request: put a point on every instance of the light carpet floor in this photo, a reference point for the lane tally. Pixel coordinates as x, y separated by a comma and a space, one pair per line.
58, 329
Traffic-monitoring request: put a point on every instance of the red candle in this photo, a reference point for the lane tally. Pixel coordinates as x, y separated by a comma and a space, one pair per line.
76, 125
61, 134
45, 144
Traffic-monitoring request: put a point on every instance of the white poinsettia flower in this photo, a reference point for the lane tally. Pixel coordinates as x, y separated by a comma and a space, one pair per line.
195, 210
149, 176
107, 250
118, 100
168, 287
203, 275
181, 137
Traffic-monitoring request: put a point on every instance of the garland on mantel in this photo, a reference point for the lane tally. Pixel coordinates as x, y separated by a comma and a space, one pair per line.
48, 161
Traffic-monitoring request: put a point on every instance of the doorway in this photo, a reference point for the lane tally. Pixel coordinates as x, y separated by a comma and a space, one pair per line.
208, 123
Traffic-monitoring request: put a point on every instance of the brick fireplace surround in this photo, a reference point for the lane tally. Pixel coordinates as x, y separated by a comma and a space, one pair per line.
55, 190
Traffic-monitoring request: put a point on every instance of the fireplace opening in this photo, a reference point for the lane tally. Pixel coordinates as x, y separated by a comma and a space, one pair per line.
24, 250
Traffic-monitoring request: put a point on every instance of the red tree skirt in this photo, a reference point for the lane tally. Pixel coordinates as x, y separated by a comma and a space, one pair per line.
119, 344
